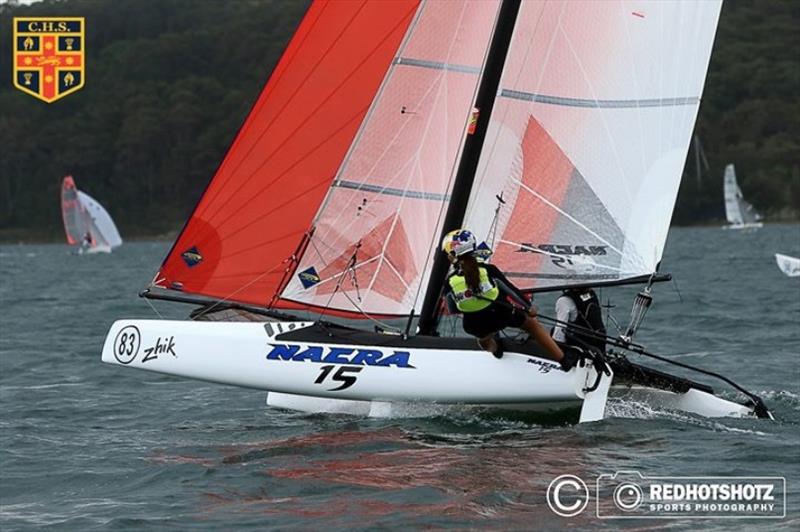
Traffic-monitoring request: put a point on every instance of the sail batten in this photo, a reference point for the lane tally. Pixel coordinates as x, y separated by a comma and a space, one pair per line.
437, 65
590, 102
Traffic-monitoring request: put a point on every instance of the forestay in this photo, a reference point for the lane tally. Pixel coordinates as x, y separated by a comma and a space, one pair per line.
589, 136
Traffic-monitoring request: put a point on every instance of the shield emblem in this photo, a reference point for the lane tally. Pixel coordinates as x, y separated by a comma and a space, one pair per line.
49, 56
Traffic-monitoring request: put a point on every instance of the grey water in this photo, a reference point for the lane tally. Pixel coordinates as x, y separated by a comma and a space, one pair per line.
86, 446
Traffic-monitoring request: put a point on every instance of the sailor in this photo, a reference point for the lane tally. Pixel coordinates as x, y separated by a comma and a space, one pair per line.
87, 239
478, 291
580, 307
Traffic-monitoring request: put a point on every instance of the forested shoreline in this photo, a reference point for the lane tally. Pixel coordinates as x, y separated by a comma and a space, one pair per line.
169, 82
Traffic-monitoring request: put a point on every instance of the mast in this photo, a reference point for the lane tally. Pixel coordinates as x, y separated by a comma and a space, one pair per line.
468, 165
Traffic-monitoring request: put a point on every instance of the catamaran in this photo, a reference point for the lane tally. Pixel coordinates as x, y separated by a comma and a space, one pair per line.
740, 214
86, 223
556, 131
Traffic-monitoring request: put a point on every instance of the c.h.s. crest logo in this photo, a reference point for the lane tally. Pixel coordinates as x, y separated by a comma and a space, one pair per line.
49, 56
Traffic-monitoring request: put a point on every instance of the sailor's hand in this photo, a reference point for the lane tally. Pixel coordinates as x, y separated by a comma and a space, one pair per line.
532, 312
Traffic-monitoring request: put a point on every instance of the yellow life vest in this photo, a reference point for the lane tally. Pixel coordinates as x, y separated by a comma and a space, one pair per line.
466, 300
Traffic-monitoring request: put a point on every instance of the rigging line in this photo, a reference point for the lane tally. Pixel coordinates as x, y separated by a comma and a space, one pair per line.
479, 179
154, 308
374, 320
349, 267
344, 271
602, 114
567, 216
368, 117
637, 348
311, 115
506, 109
528, 50
433, 242
441, 95
354, 219
229, 296
288, 102
495, 220
434, 83
397, 273
274, 180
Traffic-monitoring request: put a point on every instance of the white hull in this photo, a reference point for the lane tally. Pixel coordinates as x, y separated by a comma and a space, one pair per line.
339, 375
693, 401
750, 226
93, 250
237, 354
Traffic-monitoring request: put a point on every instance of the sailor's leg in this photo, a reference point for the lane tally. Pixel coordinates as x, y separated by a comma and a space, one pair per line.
488, 343
535, 329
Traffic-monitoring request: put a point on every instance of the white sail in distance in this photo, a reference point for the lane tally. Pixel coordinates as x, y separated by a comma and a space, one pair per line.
737, 210
86, 222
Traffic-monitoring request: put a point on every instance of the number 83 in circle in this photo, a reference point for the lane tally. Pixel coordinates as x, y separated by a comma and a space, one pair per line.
126, 344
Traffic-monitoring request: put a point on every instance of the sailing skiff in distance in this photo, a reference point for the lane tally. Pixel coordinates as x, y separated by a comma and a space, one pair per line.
556, 131
87, 224
740, 214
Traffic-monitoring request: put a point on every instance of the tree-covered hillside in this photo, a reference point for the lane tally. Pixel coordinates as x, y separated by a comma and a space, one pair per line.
170, 81
750, 113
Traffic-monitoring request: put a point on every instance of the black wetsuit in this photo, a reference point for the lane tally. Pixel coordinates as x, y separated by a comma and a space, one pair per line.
590, 316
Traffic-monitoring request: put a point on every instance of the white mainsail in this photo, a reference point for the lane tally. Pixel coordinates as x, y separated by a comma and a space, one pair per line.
738, 211
589, 136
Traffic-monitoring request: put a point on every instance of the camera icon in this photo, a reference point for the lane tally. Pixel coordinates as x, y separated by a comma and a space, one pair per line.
628, 496
620, 494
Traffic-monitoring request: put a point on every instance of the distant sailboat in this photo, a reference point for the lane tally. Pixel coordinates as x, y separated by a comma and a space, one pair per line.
86, 223
740, 214
788, 265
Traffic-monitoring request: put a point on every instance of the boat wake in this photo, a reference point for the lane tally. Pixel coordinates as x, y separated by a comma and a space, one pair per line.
630, 409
